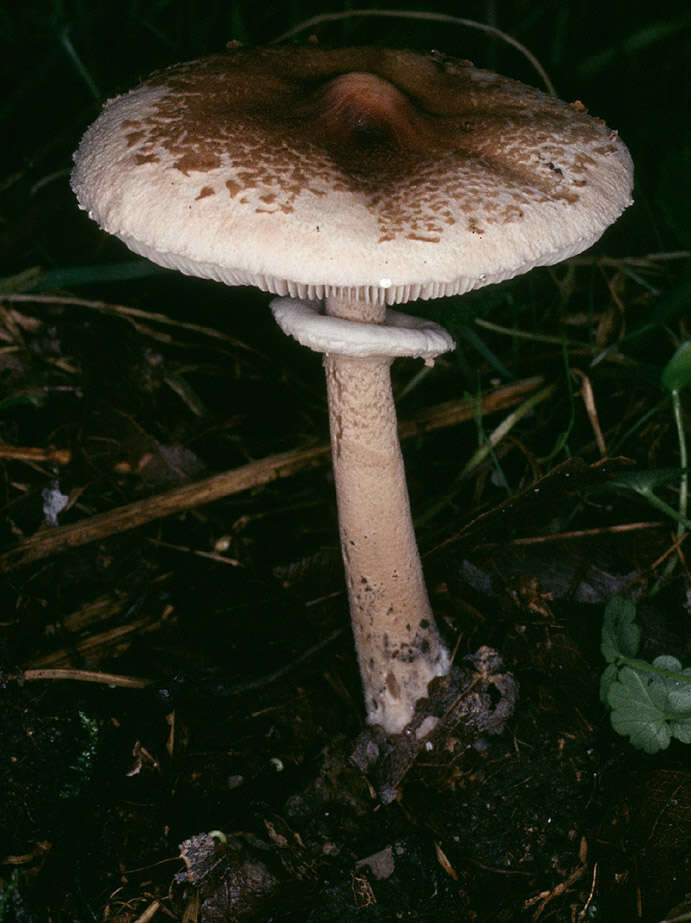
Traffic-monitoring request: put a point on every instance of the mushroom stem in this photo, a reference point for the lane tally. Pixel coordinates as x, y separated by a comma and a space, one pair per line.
396, 638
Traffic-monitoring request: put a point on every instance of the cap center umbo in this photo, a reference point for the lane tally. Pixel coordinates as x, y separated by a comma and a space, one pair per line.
360, 112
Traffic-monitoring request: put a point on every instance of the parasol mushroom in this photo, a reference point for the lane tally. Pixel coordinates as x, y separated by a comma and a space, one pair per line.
356, 179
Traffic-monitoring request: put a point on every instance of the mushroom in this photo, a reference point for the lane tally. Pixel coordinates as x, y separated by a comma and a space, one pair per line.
356, 179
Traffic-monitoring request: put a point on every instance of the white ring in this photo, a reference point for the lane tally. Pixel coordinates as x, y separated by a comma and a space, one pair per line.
399, 335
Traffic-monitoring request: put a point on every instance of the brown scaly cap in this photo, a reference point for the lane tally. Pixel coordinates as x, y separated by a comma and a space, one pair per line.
380, 174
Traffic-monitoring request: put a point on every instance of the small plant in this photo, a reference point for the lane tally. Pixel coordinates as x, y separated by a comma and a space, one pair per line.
81, 770
675, 376
649, 702
9, 892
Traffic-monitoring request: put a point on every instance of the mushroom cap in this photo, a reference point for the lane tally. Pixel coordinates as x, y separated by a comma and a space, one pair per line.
378, 174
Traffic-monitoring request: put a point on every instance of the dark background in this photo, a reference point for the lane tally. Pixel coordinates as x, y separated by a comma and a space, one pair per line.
203, 630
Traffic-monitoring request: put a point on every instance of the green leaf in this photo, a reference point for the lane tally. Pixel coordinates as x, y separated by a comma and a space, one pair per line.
651, 709
609, 676
637, 703
667, 662
643, 481
23, 398
677, 373
621, 635
678, 698
36, 280
681, 730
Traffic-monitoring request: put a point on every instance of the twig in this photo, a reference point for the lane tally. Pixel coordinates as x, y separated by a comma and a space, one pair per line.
31, 454
49, 541
121, 310
149, 913
112, 638
584, 533
84, 676
185, 549
591, 409
532, 336
646, 260
546, 897
505, 427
